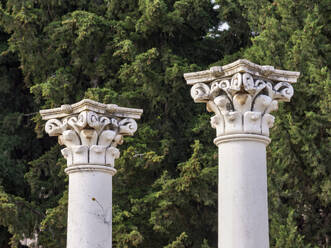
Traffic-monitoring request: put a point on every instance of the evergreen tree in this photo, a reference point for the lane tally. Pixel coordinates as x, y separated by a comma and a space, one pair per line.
16, 139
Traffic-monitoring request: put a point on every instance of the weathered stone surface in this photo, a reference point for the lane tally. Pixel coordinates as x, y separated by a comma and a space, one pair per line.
90, 130
242, 95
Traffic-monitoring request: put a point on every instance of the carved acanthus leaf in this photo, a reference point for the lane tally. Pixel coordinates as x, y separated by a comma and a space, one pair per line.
242, 103
90, 137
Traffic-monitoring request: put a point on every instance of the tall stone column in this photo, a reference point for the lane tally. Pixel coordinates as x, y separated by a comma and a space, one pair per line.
90, 132
242, 95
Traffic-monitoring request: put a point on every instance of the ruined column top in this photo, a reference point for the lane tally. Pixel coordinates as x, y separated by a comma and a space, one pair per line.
90, 132
241, 65
90, 105
242, 95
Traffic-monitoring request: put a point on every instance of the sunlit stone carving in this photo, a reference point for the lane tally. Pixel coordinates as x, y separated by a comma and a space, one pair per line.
242, 95
90, 130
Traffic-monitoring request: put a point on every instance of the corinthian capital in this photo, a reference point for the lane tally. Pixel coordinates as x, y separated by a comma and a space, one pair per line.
242, 95
90, 130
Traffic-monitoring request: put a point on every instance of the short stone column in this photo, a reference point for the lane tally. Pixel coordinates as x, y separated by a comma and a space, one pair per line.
242, 95
90, 132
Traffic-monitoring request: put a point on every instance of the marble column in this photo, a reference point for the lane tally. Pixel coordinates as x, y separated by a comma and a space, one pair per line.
90, 132
242, 95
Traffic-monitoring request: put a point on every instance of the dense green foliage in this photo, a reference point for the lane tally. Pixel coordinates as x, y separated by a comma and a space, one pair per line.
134, 53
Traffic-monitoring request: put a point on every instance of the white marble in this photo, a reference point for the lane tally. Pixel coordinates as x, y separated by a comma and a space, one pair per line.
242, 95
90, 132
242, 103
90, 206
242, 205
241, 65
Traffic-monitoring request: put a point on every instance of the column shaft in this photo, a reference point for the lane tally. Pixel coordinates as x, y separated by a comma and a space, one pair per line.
243, 208
89, 207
